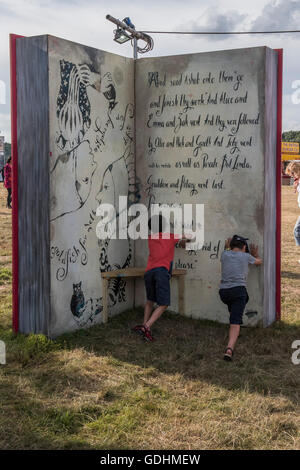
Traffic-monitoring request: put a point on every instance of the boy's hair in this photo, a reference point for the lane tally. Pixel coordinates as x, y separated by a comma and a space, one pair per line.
239, 242
156, 222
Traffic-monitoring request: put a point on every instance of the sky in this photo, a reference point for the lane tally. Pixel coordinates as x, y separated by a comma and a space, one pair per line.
84, 22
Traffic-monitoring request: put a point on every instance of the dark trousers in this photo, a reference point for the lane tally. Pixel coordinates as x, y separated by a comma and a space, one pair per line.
236, 299
8, 197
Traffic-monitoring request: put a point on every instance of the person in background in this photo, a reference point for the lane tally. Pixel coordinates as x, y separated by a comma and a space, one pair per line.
293, 170
233, 292
2, 174
7, 181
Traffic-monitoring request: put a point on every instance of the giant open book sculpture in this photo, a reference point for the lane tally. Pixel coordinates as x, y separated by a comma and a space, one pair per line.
89, 126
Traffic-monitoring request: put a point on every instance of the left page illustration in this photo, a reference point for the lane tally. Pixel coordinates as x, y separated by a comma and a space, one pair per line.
91, 124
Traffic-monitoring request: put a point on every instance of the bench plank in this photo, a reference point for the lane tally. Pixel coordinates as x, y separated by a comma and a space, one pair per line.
132, 273
135, 272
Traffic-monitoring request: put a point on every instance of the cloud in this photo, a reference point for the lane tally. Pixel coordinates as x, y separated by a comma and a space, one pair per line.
211, 20
84, 22
281, 15
6, 10
5, 126
291, 112
275, 15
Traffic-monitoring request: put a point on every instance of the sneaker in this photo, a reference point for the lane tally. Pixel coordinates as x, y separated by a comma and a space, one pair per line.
138, 329
228, 357
147, 334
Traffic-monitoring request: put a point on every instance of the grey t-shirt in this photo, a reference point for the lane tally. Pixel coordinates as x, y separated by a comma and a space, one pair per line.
235, 268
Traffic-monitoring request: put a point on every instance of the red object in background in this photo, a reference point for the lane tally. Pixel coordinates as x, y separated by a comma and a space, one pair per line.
278, 184
14, 154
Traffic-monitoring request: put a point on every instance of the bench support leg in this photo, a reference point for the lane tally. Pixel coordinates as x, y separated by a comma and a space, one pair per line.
181, 295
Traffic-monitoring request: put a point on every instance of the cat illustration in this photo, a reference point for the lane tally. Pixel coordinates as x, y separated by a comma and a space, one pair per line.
77, 301
84, 311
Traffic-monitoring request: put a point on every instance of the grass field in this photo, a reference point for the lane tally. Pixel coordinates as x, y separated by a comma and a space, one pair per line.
103, 388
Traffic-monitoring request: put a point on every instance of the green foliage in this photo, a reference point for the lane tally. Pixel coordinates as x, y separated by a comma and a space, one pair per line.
291, 136
129, 415
60, 421
5, 276
28, 348
7, 150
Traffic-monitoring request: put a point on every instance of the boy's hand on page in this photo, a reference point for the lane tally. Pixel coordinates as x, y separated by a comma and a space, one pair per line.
227, 243
189, 237
254, 250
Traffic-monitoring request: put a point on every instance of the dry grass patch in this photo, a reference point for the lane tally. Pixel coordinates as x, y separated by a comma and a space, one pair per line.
104, 388
290, 256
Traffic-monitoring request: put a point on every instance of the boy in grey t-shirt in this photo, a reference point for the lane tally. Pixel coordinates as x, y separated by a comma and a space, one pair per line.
235, 260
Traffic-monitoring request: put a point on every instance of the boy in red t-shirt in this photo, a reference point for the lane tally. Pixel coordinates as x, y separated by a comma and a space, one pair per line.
157, 276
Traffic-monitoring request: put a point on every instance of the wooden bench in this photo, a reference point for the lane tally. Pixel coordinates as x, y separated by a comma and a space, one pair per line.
134, 273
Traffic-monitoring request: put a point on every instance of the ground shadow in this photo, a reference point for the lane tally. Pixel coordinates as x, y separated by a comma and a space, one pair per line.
42, 427
194, 349
290, 274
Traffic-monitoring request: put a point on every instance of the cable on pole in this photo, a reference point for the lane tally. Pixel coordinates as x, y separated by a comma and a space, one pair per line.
223, 32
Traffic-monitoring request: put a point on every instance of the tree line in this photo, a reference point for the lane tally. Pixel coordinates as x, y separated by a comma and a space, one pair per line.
291, 136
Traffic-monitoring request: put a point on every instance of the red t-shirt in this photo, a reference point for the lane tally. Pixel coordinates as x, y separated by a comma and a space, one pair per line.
161, 251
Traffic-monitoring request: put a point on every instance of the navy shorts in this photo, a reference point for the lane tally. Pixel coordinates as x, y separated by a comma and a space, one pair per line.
236, 299
157, 283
